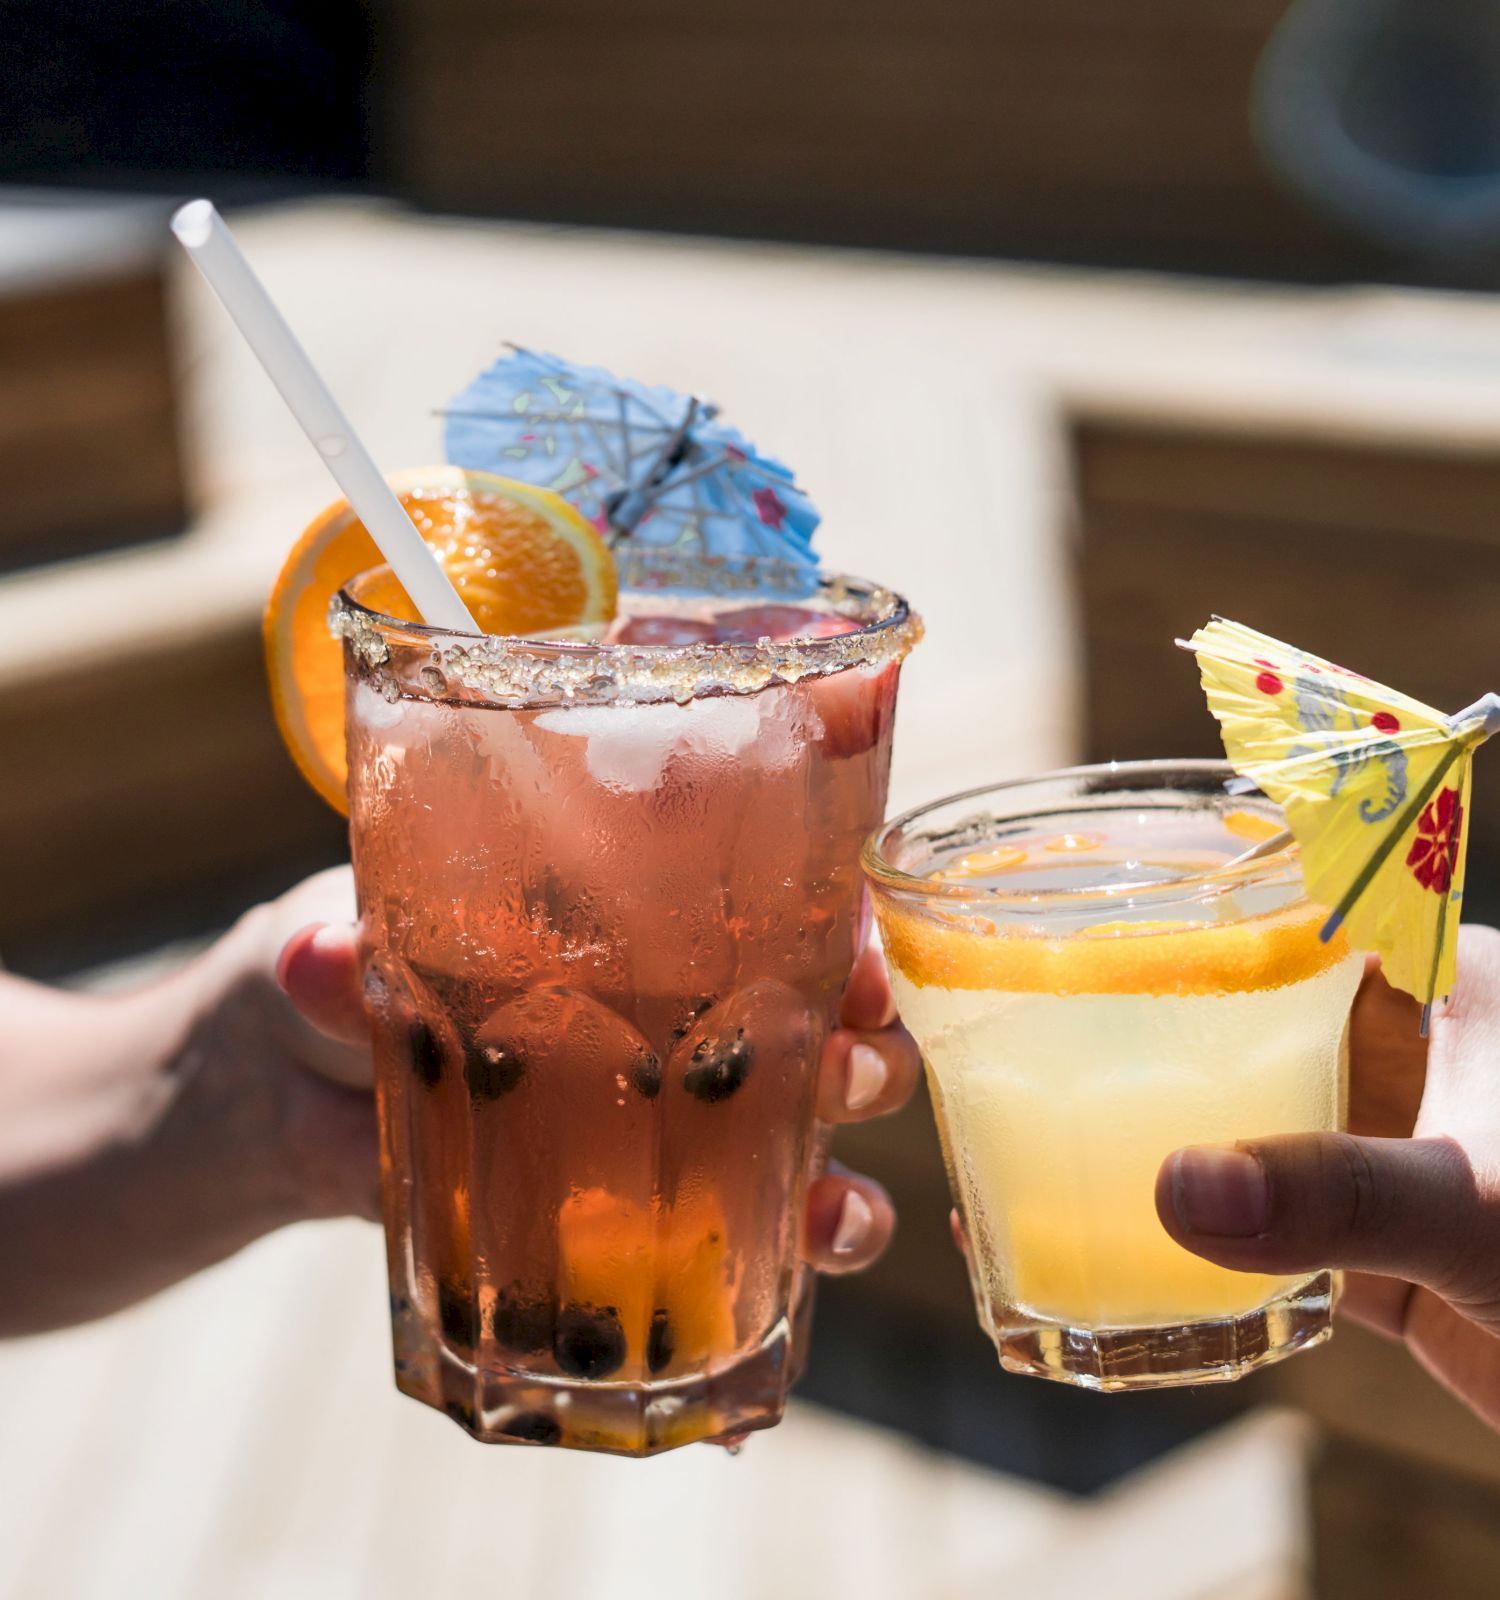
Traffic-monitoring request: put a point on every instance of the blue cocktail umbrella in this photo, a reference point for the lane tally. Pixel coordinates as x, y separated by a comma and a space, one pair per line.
640, 462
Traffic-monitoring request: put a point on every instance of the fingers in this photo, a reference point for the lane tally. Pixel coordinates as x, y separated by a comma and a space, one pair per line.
318, 969
1387, 1058
864, 1075
323, 1025
960, 1234
848, 1222
333, 1143
1377, 1303
1459, 1353
870, 1065
868, 1001
1403, 1208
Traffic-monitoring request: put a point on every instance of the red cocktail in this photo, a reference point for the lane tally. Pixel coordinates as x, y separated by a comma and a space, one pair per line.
610, 896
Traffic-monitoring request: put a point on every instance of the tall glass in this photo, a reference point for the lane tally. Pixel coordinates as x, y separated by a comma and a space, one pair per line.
610, 896
1091, 991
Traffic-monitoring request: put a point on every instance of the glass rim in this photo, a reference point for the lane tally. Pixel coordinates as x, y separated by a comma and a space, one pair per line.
559, 669
886, 875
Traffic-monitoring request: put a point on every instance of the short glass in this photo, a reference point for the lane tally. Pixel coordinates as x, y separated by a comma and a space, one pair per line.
1091, 991
609, 898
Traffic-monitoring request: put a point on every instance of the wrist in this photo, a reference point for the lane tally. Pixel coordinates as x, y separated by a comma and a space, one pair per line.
141, 1141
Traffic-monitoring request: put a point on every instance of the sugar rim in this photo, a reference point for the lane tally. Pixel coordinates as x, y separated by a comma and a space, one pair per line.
516, 671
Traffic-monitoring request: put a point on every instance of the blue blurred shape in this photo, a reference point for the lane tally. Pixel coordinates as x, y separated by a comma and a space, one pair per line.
1386, 113
639, 462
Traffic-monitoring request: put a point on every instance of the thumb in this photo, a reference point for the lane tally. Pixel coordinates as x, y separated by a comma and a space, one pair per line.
1405, 1208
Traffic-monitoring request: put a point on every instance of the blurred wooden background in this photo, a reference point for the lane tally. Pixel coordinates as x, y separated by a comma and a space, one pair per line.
90, 427
1074, 130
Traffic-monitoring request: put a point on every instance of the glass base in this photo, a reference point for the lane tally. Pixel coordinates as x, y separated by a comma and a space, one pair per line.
505, 1406
1217, 1351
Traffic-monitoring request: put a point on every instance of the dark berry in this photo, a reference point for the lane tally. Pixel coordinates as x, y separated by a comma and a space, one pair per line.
589, 1342
661, 1346
646, 1074
426, 1051
457, 1315
718, 1068
491, 1070
536, 1427
524, 1323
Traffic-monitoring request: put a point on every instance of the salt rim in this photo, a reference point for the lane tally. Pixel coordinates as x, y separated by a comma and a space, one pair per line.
431, 663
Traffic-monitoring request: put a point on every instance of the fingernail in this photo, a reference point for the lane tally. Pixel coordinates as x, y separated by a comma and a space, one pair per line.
284, 956
855, 1221
867, 1076
1219, 1190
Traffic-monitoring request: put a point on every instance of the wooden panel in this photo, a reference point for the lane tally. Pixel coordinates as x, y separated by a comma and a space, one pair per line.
1087, 129
89, 452
1387, 561
1310, 483
1385, 1528
143, 791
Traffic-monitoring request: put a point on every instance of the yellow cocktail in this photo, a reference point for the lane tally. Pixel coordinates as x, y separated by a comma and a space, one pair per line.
1091, 991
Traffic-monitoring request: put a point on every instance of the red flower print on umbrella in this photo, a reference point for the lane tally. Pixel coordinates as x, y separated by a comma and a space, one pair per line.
1434, 851
1373, 786
769, 507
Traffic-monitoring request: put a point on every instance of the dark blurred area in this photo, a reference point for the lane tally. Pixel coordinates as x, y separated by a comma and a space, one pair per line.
268, 95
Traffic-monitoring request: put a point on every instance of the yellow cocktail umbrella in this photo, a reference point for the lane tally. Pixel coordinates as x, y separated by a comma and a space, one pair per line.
1374, 785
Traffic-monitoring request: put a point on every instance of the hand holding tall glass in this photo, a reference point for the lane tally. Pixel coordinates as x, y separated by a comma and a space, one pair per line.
610, 896
608, 885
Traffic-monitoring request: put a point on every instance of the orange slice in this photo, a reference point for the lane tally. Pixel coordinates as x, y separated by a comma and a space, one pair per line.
523, 559
1251, 825
982, 863
949, 950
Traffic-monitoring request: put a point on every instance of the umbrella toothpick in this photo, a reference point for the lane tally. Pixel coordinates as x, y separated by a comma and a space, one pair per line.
638, 461
1374, 787
1266, 847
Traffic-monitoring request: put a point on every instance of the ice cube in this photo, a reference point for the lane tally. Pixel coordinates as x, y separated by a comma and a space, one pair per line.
371, 709
629, 746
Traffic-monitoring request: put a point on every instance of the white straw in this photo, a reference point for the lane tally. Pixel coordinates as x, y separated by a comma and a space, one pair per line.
209, 242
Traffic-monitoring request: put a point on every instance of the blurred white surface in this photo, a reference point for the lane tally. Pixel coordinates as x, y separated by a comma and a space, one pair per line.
55, 237
240, 1438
